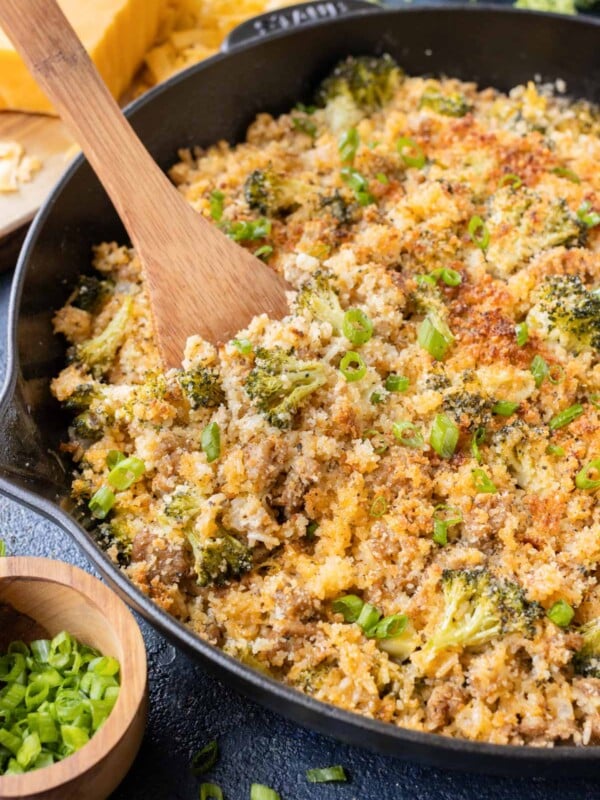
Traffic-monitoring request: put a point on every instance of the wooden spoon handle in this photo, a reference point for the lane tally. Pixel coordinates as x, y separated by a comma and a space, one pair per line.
61, 66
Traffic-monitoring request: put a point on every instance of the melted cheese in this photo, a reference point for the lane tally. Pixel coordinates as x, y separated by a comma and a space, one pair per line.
116, 33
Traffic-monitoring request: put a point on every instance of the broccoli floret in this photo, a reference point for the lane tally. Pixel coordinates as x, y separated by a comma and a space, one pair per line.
115, 534
479, 608
566, 312
340, 209
219, 559
274, 195
523, 224
280, 382
82, 397
98, 353
90, 292
450, 105
587, 660
87, 427
202, 387
369, 82
320, 300
183, 505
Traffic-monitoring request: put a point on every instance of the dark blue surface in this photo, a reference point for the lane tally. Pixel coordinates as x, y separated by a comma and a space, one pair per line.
189, 708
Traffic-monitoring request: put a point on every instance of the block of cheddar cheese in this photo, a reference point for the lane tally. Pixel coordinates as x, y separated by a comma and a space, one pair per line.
116, 33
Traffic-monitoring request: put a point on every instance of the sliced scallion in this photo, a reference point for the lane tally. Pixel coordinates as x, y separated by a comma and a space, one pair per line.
482, 482
539, 369
396, 383
561, 613
411, 152
260, 792
352, 367
101, 502
504, 408
522, 333
368, 618
379, 507
434, 336
408, 434
205, 758
326, 774
510, 179
566, 417
357, 327
217, 201
359, 185
210, 441
444, 436
348, 144
349, 606
126, 473
588, 478
478, 438
555, 450
565, 172
445, 517
210, 791
479, 233
589, 217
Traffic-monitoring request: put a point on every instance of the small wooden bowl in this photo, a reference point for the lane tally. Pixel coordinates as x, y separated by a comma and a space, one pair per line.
41, 597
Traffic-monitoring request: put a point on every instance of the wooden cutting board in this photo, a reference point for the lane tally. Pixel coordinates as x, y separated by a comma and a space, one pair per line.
45, 138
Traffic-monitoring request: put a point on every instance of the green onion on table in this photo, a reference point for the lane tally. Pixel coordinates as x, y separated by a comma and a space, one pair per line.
55, 694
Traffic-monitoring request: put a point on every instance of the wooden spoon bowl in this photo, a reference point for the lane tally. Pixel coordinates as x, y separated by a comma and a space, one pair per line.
40, 597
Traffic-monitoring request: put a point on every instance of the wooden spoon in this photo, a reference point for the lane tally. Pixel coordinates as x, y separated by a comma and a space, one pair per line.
199, 280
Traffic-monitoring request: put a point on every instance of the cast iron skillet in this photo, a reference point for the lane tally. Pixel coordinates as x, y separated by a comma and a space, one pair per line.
217, 99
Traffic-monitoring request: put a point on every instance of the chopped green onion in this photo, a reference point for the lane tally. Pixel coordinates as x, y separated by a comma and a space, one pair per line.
556, 374
594, 399
311, 529
249, 230
51, 704
210, 441
205, 758
378, 440
101, 502
444, 436
411, 152
348, 144
243, 346
478, 438
408, 434
349, 606
359, 185
304, 125
357, 327
260, 792
555, 450
326, 774
511, 180
482, 482
379, 507
368, 618
126, 473
2, 548
352, 367
522, 333
396, 383
566, 417
445, 517
504, 408
264, 252
377, 398
589, 218
539, 369
434, 336
585, 477
210, 791
382, 178
565, 172
217, 200
114, 457
480, 235
449, 276
388, 627
561, 614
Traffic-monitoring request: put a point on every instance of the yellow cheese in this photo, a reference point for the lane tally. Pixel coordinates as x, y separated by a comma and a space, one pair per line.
116, 33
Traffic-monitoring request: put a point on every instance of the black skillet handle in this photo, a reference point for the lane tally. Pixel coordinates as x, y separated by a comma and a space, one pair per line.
285, 19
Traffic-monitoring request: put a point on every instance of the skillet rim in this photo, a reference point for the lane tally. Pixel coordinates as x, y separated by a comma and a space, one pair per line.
430, 748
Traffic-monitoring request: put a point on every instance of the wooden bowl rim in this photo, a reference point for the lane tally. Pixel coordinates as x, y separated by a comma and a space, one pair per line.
133, 674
